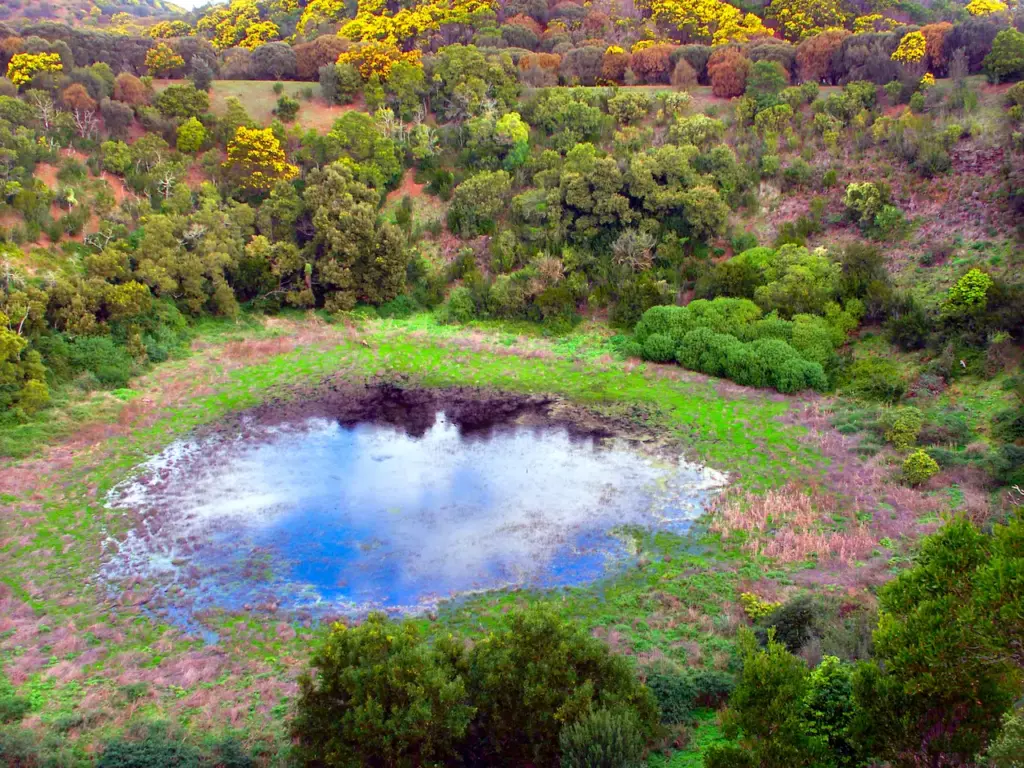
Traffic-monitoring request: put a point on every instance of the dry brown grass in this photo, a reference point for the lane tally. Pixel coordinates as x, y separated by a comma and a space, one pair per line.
791, 524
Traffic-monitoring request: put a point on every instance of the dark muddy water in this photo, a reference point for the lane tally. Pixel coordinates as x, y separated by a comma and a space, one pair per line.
331, 516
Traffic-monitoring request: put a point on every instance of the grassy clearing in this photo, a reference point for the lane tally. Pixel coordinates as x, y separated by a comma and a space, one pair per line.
259, 100
72, 638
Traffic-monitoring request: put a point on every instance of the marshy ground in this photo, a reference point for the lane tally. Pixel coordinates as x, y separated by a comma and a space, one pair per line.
79, 639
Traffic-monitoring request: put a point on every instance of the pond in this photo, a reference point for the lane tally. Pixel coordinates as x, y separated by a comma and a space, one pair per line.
395, 506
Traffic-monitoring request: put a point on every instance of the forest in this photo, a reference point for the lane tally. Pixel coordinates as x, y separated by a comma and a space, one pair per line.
784, 240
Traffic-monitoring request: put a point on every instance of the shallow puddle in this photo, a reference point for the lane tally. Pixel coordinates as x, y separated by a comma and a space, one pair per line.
339, 517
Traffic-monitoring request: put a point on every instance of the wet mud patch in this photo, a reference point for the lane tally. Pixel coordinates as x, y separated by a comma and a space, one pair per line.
348, 499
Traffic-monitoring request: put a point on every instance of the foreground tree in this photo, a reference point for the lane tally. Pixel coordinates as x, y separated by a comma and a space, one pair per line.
951, 637
379, 695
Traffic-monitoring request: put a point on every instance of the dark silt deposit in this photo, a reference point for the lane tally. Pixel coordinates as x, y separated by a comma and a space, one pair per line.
348, 501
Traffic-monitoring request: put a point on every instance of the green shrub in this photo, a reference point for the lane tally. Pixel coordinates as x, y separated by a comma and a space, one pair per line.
875, 378
12, 707
287, 108
110, 364
659, 348
459, 308
674, 691
905, 427
155, 750
919, 467
729, 756
602, 739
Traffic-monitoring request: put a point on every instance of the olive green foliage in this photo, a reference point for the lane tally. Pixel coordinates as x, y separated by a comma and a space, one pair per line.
602, 739
182, 102
1006, 59
949, 636
535, 676
478, 201
919, 467
379, 695
354, 255
1007, 748
905, 426
769, 703
537, 690
191, 136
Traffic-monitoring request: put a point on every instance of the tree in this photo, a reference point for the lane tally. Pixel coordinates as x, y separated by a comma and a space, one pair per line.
800, 19
728, 70
117, 117
765, 81
602, 739
710, 20
358, 257
950, 635
912, 49
379, 695
705, 211
478, 201
191, 136
538, 674
201, 74
830, 710
130, 90
814, 55
1006, 59
287, 108
769, 705
258, 34
273, 61
161, 60
256, 160
75, 98
182, 102
24, 66
321, 52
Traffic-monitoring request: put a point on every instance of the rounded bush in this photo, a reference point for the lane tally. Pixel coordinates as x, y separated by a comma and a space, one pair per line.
919, 467
692, 346
659, 348
674, 691
602, 739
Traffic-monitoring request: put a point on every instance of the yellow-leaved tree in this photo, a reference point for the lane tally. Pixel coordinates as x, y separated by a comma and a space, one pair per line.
164, 29
24, 66
709, 20
800, 19
985, 7
912, 48
162, 59
377, 57
259, 34
319, 12
257, 161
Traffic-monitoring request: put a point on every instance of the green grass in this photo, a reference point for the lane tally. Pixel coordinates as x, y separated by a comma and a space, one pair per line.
747, 434
259, 100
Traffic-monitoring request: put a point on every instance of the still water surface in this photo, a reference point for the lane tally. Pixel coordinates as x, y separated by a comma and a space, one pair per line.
344, 519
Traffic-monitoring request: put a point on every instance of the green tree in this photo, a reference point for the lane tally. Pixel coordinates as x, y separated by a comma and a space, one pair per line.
357, 256
950, 634
478, 201
406, 86
602, 739
537, 675
191, 136
182, 102
769, 705
829, 710
379, 695
1006, 59
765, 82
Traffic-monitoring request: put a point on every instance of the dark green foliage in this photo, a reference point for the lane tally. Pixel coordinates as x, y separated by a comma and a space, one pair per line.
679, 692
768, 705
12, 707
949, 639
101, 356
729, 756
538, 674
157, 749
793, 623
379, 695
659, 348
602, 739
876, 378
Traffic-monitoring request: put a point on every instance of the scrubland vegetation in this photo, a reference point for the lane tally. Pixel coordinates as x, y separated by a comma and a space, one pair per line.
785, 237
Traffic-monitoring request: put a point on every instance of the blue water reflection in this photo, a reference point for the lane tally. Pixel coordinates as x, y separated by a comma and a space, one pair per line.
347, 519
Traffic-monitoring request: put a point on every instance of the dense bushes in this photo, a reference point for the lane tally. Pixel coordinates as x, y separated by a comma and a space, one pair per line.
536, 689
732, 339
